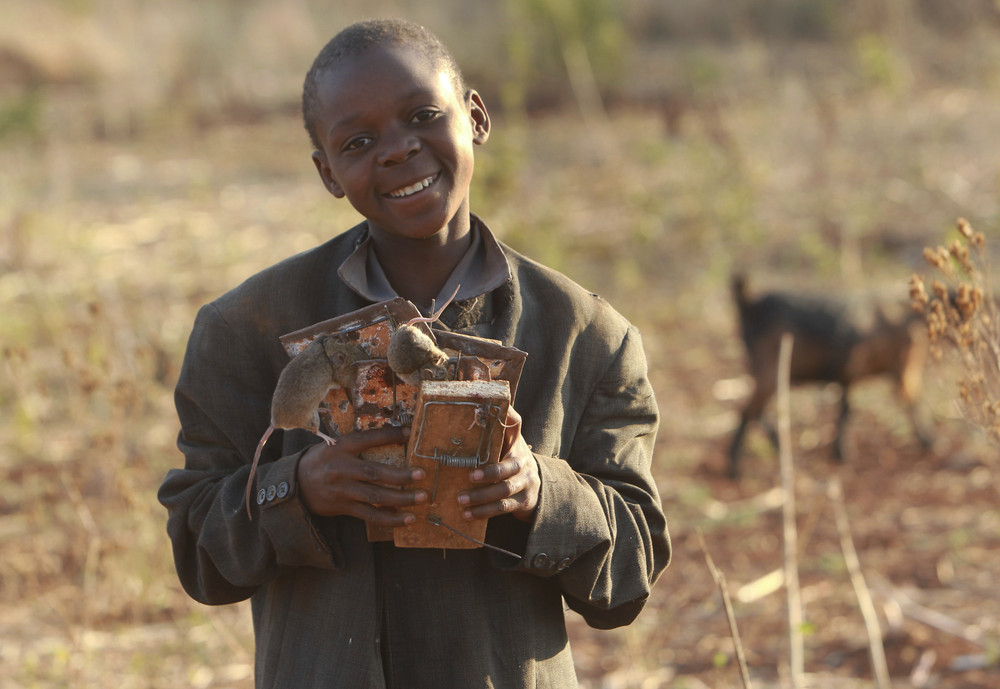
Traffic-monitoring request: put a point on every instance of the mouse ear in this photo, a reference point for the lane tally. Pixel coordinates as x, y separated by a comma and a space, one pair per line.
335, 353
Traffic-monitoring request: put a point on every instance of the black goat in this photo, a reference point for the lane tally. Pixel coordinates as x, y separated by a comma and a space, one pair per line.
834, 341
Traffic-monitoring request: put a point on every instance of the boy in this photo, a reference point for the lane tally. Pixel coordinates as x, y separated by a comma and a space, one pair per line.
393, 127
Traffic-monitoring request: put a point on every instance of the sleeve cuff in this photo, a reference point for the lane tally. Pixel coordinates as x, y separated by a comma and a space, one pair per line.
564, 525
284, 517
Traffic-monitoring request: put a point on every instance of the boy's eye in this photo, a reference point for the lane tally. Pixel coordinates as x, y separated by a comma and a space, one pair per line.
423, 116
356, 143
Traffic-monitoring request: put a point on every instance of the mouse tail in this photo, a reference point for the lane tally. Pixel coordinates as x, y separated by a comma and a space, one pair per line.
253, 467
437, 314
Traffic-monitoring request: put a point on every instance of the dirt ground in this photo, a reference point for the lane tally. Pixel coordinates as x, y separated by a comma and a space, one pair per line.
110, 250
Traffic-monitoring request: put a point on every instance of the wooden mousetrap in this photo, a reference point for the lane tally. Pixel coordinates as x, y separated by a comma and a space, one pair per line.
458, 426
460, 417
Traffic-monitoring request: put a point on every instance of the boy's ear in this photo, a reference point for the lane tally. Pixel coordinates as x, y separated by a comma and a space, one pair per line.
480, 118
323, 168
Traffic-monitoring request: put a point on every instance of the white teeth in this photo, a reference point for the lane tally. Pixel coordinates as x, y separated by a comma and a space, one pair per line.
412, 189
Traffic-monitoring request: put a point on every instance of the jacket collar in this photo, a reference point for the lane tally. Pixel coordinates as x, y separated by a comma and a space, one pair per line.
483, 268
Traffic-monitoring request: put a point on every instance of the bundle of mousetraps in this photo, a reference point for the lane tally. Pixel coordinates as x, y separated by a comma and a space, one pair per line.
453, 390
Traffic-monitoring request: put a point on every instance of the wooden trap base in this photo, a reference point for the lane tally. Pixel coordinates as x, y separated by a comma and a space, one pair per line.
458, 426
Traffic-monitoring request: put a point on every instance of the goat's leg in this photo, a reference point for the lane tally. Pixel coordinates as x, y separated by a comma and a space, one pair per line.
772, 434
736, 445
918, 420
839, 453
910, 385
751, 412
920, 427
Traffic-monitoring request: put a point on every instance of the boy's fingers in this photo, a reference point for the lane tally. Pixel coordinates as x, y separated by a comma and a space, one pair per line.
493, 509
485, 495
366, 474
364, 500
510, 486
376, 472
512, 429
380, 496
362, 440
491, 473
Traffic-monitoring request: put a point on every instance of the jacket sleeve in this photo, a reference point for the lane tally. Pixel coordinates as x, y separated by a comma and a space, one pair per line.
600, 531
223, 403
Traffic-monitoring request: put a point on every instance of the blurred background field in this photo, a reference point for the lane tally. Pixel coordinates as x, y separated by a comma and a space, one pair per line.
151, 156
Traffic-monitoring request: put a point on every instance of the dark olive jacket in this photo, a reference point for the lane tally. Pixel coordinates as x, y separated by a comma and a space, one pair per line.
331, 609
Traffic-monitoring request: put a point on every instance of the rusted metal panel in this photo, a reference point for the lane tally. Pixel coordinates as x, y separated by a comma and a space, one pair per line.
464, 418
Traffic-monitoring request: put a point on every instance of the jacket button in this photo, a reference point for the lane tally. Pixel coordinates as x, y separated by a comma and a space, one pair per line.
282, 489
271, 492
541, 561
261, 496
563, 563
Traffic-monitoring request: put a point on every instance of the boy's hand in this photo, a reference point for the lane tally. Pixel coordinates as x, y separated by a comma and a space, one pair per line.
335, 480
508, 487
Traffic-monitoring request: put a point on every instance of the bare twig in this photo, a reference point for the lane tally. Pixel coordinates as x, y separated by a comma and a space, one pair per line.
933, 618
720, 581
880, 668
796, 655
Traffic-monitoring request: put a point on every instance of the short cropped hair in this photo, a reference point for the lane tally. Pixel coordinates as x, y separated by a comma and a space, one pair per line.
360, 37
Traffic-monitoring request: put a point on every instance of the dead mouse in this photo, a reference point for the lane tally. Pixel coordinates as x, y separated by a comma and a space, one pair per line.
411, 351
326, 363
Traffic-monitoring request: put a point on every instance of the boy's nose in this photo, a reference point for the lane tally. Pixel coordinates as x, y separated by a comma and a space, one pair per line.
398, 149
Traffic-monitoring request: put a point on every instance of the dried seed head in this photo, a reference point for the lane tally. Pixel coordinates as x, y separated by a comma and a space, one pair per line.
960, 252
931, 256
967, 300
959, 311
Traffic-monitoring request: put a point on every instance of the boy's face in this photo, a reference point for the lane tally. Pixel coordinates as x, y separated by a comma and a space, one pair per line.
397, 141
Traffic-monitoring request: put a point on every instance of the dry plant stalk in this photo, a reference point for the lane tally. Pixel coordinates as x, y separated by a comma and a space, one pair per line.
961, 311
876, 651
796, 659
720, 582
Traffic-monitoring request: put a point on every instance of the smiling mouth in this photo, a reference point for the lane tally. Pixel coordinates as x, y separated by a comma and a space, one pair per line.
413, 188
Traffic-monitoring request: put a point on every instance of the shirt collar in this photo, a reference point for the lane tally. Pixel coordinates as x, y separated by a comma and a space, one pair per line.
482, 269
